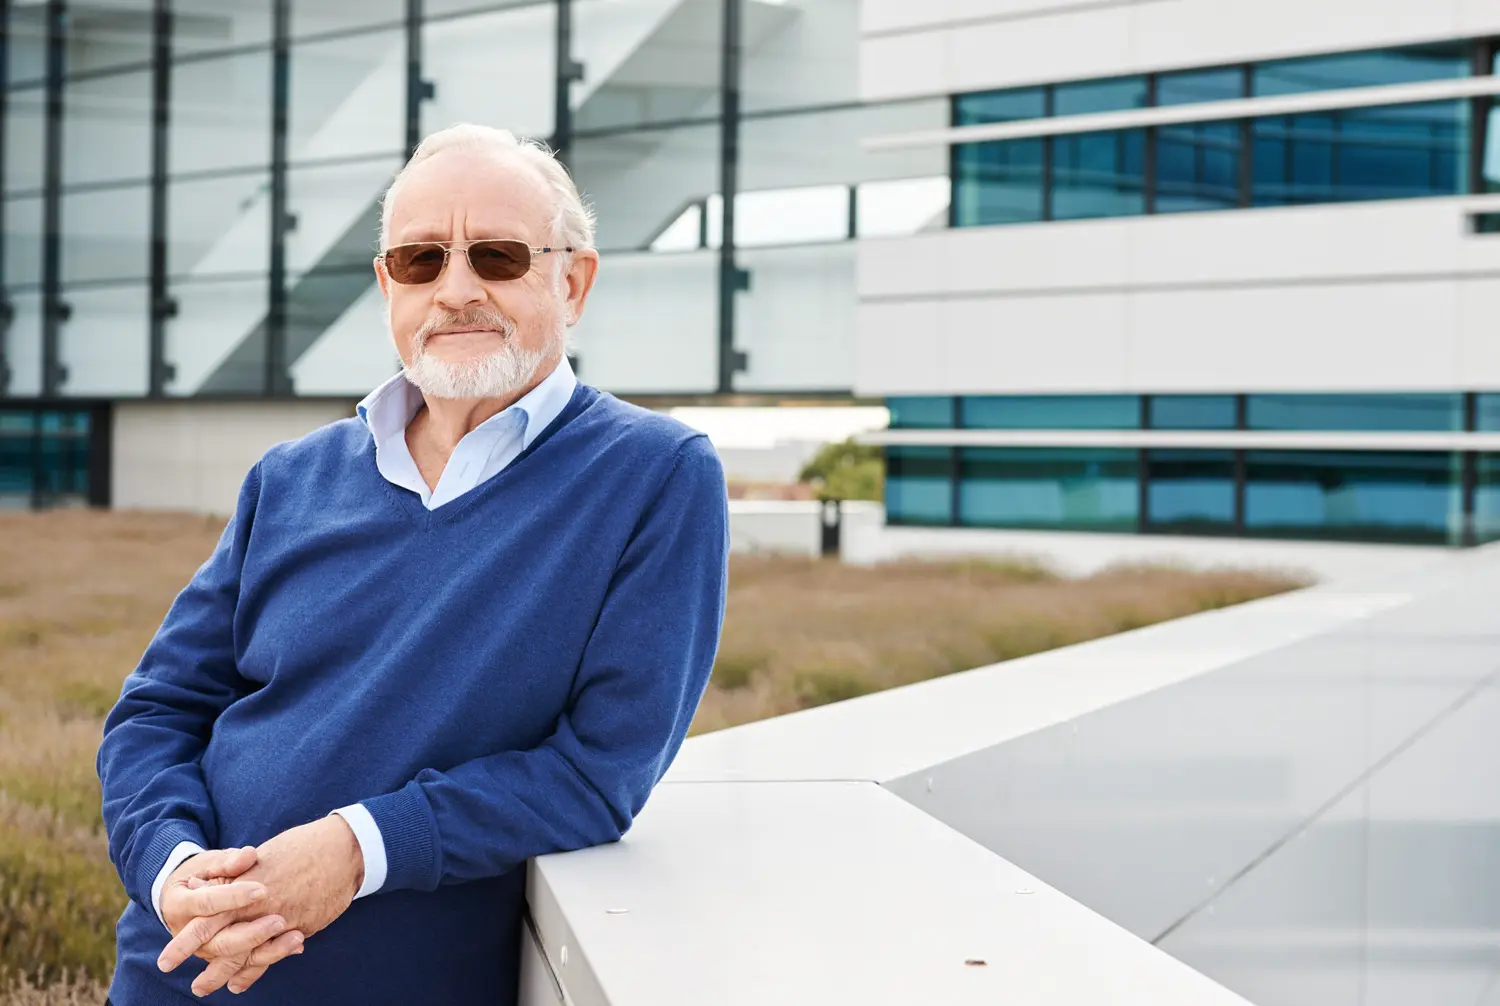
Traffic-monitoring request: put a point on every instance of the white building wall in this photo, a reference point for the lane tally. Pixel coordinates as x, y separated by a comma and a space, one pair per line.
952, 46
1392, 296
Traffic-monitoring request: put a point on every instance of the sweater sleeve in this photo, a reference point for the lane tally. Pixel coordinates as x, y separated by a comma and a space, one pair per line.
642, 674
154, 795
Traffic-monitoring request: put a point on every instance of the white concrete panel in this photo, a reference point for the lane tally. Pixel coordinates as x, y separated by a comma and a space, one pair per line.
1478, 17
1479, 334
651, 324
899, 15
1068, 254
1066, 46
796, 321
901, 66
194, 456
1375, 336
892, 267
900, 346
1036, 345
353, 355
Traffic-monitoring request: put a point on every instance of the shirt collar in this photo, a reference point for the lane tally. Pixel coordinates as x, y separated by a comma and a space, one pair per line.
388, 409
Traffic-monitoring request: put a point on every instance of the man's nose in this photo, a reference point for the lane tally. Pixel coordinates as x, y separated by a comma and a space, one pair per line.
458, 286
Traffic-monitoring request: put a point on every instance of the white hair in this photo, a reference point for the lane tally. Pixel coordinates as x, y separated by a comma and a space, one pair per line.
572, 221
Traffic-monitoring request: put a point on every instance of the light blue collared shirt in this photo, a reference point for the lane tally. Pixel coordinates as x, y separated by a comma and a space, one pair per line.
482, 453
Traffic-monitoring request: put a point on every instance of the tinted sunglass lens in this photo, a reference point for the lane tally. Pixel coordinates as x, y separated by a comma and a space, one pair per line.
415, 263
500, 260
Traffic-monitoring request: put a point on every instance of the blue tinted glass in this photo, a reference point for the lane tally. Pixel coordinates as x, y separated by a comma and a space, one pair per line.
931, 413
1099, 175
1359, 496
1398, 152
1487, 412
15, 458
1190, 492
1487, 498
1051, 412
918, 485
1490, 162
1360, 69
1194, 86
997, 183
999, 106
1198, 167
1099, 96
1096, 490
1435, 412
1192, 412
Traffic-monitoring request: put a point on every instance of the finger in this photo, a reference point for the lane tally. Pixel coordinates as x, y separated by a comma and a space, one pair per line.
213, 899
221, 862
263, 957
197, 932
193, 883
216, 974
238, 939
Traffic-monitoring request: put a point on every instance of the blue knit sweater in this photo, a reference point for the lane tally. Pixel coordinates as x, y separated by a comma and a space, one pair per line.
505, 676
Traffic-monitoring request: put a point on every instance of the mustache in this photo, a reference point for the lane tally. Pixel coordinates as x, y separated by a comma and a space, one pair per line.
471, 317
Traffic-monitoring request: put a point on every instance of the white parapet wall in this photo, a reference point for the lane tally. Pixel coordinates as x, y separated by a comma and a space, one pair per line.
804, 860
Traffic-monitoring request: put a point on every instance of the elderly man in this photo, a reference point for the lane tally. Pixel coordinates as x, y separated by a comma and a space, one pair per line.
466, 628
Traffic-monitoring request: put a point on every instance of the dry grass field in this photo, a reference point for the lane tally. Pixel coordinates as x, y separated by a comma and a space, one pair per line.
81, 594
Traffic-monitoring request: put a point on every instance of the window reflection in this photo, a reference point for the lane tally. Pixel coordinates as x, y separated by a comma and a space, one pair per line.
919, 485
1024, 487
1190, 492
1366, 496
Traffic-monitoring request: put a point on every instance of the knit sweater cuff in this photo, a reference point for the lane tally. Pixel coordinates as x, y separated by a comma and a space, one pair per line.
159, 845
409, 831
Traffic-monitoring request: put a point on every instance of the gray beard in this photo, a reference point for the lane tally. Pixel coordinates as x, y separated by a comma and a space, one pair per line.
499, 374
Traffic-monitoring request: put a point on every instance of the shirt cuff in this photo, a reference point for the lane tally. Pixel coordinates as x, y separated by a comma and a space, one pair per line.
371, 846
180, 852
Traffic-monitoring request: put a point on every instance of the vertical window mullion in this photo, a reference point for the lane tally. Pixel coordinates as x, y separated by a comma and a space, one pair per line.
159, 371
731, 279
6, 312
1247, 149
53, 309
275, 379
1148, 168
1048, 154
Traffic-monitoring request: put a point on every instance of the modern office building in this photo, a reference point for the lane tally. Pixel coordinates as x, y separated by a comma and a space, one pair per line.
1178, 266
1214, 268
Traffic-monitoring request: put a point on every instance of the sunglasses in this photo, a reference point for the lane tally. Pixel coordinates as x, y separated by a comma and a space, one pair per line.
492, 261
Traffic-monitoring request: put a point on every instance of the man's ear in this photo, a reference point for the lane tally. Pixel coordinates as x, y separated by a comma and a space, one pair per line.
382, 277
582, 272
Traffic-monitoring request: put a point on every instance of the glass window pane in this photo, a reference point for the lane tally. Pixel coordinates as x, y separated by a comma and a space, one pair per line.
918, 485
1099, 175
23, 343
912, 413
998, 183
314, 17
999, 106
1194, 86
1094, 490
1415, 412
644, 68
1198, 167
1396, 152
1490, 163
1192, 412
1051, 412
1190, 492
23, 242
16, 458
1443, 61
221, 113
1487, 412
1360, 496
1487, 498
498, 66
803, 53
101, 36
107, 129
25, 121
214, 319
1099, 96
105, 343
348, 97
209, 25
106, 234
219, 226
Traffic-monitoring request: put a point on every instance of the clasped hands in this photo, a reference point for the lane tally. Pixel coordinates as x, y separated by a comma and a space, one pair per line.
242, 910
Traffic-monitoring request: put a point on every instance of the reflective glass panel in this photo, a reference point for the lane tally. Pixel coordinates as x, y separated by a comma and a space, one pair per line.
998, 183
1487, 498
1051, 412
1193, 86
221, 113
1192, 412
107, 128
1396, 152
1099, 96
1415, 412
928, 412
1190, 492
1444, 61
647, 62
1487, 412
1099, 175
1198, 167
1358, 496
918, 485
999, 106
1067, 489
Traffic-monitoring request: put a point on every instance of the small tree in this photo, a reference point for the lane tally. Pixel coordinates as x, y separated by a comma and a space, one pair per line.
846, 471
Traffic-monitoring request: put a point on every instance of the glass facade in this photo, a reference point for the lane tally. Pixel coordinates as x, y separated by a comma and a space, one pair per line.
1347, 155
46, 456
1377, 494
217, 175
